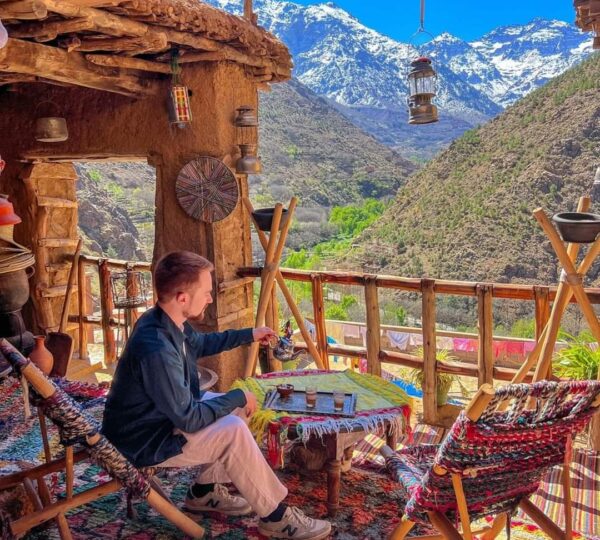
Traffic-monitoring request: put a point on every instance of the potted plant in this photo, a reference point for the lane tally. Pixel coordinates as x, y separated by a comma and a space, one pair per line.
443, 381
578, 361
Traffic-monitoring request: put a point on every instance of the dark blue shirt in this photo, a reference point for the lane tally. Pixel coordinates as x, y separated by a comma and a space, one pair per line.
156, 389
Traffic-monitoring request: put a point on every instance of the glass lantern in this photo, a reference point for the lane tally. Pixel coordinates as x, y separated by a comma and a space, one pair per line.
422, 85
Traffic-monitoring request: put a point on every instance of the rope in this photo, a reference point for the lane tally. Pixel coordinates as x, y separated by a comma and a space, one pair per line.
14, 257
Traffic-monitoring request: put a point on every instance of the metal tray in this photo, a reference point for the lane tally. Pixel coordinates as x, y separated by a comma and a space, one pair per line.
296, 403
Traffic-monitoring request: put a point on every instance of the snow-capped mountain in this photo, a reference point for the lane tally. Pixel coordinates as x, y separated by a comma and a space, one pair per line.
364, 72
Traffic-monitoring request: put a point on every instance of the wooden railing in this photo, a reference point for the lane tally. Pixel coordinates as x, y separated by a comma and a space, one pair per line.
485, 370
106, 320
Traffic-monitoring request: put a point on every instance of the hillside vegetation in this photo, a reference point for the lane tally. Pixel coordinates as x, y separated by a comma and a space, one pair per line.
468, 214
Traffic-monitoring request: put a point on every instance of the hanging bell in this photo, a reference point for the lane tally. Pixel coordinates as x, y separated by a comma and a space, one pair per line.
246, 117
249, 163
51, 129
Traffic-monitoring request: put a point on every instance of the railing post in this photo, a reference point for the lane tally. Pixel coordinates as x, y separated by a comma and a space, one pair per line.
542, 309
82, 301
319, 315
429, 351
106, 306
373, 326
485, 324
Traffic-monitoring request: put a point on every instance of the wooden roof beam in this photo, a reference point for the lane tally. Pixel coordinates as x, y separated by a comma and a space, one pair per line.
128, 63
115, 25
49, 31
52, 63
23, 9
229, 53
132, 45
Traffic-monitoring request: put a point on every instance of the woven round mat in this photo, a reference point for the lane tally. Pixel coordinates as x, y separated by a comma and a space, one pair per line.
207, 189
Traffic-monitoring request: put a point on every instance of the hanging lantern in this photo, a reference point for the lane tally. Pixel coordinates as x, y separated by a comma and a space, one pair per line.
422, 82
180, 110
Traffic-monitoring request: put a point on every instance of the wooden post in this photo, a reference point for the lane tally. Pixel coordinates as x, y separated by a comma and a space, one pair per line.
81, 302
106, 306
319, 315
485, 355
373, 326
542, 310
429, 352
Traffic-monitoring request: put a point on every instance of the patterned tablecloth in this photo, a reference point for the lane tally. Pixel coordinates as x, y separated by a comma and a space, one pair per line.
379, 403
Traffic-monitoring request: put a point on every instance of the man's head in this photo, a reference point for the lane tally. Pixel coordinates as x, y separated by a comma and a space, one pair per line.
183, 283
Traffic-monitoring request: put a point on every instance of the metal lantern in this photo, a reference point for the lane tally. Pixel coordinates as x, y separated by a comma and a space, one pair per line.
422, 84
180, 110
50, 128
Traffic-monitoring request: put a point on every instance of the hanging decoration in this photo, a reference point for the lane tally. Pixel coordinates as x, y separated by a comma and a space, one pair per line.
422, 85
180, 110
246, 124
206, 189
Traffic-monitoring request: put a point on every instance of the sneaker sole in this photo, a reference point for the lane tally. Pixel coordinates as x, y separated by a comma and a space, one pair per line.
216, 511
272, 534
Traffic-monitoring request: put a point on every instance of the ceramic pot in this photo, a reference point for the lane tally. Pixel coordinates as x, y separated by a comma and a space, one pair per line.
14, 290
264, 218
41, 356
579, 227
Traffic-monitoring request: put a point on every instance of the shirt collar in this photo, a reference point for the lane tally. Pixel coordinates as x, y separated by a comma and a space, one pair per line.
174, 330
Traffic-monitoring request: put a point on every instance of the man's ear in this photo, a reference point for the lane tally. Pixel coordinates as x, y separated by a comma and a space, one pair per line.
181, 297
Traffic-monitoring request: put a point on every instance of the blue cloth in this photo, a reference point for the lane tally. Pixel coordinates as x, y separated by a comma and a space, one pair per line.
156, 388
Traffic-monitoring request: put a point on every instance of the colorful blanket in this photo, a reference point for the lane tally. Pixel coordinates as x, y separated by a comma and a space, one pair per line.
379, 404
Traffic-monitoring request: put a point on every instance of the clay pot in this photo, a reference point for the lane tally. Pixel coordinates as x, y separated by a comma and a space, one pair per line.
579, 227
41, 356
285, 390
14, 290
264, 218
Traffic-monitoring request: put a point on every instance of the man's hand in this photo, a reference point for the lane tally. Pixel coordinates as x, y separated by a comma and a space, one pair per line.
264, 335
251, 403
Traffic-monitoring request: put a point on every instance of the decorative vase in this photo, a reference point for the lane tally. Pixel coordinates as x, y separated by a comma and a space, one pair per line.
41, 356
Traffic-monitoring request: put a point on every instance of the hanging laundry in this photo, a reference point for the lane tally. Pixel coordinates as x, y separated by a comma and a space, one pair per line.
310, 328
499, 349
444, 343
351, 330
399, 340
472, 345
528, 346
416, 340
515, 348
460, 344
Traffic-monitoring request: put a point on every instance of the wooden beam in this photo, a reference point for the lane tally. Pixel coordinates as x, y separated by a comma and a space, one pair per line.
23, 9
72, 68
124, 62
152, 43
485, 323
373, 326
48, 31
429, 351
233, 55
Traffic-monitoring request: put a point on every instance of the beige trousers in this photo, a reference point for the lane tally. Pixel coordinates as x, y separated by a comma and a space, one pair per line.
227, 452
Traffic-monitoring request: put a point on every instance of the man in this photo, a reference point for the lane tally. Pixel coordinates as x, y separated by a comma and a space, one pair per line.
156, 414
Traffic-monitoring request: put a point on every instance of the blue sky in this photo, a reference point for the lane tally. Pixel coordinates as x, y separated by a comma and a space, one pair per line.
467, 19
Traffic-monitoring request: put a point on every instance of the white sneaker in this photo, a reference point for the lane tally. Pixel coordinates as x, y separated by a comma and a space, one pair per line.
297, 525
218, 500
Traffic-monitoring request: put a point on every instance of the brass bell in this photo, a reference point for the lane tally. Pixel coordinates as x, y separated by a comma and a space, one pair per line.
249, 163
51, 129
246, 117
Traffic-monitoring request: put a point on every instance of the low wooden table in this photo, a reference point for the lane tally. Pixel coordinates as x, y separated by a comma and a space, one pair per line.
338, 448
379, 403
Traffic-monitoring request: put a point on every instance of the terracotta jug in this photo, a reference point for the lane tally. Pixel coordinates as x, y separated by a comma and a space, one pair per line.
41, 356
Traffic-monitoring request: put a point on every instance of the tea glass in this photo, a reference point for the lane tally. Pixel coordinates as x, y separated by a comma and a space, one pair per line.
338, 400
311, 396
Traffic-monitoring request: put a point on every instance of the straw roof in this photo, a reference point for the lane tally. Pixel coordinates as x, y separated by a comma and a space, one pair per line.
119, 45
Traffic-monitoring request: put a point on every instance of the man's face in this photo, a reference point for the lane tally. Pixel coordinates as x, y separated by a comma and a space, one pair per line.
199, 295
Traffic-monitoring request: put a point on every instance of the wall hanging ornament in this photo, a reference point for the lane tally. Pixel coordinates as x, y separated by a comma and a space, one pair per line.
206, 189
180, 110
246, 123
50, 128
422, 84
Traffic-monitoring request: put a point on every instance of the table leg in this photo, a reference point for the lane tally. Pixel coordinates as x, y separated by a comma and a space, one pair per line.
334, 474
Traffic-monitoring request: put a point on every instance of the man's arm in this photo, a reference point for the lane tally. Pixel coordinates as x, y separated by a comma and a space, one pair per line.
216, 342
163, 379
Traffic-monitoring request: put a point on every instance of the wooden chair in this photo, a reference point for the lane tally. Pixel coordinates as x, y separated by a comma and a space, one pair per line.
76, 426
493, 460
